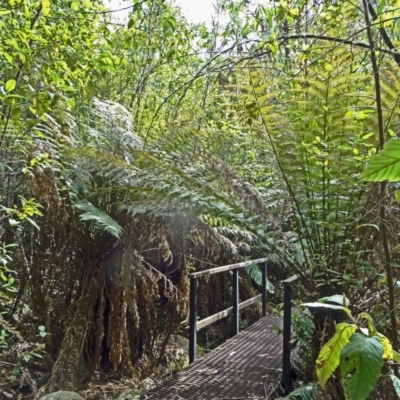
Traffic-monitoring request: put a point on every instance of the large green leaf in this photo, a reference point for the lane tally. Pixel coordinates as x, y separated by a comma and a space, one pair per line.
329, 356
384, 166
360, 365
10, 85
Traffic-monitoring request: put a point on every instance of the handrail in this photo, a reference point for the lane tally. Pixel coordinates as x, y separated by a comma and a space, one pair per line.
229, 267
289, 281
195, 325
222, 314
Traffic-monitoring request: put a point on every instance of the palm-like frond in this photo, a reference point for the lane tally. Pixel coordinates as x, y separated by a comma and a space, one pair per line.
255, 273
118, 171
320, 131
307, 392
101, 221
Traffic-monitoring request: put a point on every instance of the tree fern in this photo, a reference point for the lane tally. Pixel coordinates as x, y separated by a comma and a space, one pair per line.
141, 182
316, 142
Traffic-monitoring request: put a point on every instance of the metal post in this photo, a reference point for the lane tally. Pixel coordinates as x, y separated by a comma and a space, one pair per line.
235, 285
264, 288
287, 323
193, 320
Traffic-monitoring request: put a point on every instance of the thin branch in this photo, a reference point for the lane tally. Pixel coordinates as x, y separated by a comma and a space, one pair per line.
363, 45
187, 84
383, 33
119, 9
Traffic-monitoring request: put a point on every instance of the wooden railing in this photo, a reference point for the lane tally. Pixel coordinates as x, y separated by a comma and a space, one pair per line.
195, 325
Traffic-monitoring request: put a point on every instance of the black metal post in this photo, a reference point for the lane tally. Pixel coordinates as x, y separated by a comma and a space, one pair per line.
287, 326
235, 300
264, 288
193, 320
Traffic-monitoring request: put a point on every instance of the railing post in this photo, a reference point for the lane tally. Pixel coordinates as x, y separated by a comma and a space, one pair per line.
264, 288
287, 326
235, 299
193, 320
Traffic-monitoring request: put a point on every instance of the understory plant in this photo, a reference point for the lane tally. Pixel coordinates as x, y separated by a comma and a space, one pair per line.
362, 354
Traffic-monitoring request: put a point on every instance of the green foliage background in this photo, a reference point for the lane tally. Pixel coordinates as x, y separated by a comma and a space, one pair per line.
132, 153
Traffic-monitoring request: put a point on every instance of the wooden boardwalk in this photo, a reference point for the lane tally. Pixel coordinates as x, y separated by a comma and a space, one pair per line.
246, 367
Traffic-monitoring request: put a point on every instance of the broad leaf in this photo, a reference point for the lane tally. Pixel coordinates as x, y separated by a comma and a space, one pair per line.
329, 356
396, 384
387, 347
336, 298
46, 7
384, 166
10, 85
360, 365
323, 305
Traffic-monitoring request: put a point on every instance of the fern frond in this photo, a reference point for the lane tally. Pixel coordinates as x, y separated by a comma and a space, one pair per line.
307, 392
228, 244
102, 221
112, 126
255, 273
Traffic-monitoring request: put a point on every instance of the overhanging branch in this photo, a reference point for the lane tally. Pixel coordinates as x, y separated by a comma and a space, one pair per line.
384, 34
363, 45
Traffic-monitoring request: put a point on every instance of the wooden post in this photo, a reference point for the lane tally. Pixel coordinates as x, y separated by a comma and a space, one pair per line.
235, 299
264, 288
193, 320
287, 326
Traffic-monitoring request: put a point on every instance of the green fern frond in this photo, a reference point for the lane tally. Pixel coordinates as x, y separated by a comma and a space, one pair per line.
116, 175
316, 127
102, 221
111, 125
255, 273
307, 392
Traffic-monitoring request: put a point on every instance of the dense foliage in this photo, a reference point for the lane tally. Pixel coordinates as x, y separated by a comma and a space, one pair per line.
134, 152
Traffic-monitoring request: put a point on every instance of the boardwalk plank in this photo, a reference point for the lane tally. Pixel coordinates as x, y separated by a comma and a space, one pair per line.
246, 367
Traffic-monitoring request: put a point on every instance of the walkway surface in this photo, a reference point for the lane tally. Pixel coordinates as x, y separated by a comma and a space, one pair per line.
246, 367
